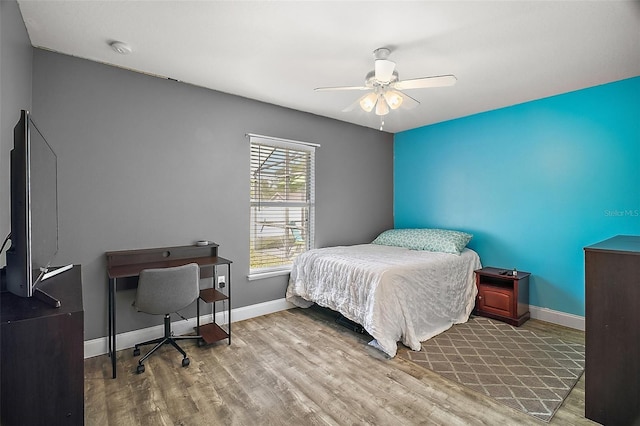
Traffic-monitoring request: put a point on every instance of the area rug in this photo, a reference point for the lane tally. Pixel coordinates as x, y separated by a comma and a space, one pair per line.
527, 371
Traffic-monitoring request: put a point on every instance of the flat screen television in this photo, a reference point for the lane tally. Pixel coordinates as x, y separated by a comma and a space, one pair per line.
34, 210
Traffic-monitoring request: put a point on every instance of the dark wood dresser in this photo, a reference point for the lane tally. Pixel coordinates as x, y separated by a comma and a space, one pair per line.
42, 362
612, 293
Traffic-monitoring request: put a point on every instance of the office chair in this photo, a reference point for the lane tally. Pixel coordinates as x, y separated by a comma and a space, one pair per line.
295, 243
163, 291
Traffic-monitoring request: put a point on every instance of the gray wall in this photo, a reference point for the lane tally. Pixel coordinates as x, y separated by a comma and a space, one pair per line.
16, 56
148, 162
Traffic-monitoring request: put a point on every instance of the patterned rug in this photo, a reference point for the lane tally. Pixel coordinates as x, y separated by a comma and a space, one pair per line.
530, 372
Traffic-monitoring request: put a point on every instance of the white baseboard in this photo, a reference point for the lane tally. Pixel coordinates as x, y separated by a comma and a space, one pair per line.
128, 339
100, 346
557, 317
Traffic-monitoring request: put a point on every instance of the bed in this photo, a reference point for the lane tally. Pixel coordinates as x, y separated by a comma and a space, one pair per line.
397, 289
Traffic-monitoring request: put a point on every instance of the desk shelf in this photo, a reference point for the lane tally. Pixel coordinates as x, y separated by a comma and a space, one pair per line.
211, 295
213, 332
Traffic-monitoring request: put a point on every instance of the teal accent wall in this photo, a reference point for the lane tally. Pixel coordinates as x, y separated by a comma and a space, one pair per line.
535, 183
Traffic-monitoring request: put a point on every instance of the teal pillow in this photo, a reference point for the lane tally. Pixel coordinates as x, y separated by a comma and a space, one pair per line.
439, 240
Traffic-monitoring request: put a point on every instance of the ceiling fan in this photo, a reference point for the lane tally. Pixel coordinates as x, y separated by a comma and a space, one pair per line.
385, 88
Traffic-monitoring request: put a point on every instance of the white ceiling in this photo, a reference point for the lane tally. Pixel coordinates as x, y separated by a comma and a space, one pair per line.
502, 52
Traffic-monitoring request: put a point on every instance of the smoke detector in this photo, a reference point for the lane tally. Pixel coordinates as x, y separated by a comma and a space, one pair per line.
121, 47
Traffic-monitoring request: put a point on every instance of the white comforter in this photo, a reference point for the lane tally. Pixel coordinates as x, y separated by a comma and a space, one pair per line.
394, 293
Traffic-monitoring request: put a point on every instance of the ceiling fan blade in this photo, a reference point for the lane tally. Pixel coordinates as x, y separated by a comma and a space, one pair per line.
328, 89
384, 70
352, 106
355, 104
408, 102
426, 82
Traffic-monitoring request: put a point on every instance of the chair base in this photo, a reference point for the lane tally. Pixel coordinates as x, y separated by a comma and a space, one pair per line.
161, 341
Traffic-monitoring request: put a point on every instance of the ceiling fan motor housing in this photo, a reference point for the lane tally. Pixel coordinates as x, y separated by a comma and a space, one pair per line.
371, 81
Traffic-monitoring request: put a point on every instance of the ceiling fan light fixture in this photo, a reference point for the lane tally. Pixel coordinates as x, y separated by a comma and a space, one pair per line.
381, 107
368, 102
385, 90
393, 99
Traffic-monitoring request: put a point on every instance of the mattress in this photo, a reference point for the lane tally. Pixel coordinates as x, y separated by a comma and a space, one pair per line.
395, 293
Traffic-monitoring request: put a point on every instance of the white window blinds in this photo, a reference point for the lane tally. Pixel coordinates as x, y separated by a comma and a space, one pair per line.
282, 202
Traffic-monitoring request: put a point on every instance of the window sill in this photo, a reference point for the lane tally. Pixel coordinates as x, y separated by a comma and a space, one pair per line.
263, 275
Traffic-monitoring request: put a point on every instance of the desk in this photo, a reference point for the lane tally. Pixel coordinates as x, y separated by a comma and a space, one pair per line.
123, 269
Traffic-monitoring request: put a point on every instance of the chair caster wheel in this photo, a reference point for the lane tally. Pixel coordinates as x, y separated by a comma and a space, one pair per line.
136, 352
185, 362
201, 343
140, 369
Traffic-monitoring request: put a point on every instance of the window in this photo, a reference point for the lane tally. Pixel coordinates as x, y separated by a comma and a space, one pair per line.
282, 203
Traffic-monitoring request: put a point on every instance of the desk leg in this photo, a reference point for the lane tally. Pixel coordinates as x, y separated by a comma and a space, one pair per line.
198, 316
112, 325
229, 298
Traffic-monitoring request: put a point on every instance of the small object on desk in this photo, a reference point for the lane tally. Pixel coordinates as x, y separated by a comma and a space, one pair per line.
515, 272
202, 243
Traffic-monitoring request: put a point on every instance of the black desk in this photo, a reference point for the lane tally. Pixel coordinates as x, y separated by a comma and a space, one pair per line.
123, 269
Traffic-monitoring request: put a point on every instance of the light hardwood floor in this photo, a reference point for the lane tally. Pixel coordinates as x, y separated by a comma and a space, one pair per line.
292, 368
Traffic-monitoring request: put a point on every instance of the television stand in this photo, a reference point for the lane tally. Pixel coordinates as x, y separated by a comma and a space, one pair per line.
42, 352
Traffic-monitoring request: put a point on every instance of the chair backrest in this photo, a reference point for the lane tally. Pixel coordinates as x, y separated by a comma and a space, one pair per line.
167, 290
296, 232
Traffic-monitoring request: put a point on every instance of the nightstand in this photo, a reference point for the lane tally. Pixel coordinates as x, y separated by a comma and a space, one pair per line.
503, 296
